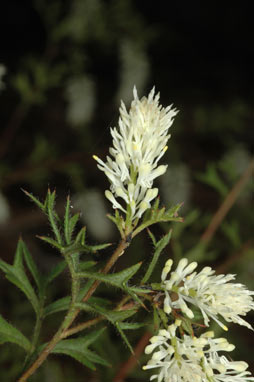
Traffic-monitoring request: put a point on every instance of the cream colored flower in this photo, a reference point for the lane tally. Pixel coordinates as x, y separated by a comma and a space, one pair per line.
213, 294
138, 144
192, 359
177, 360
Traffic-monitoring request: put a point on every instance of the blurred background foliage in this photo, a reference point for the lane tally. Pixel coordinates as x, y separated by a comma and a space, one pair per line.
65, 65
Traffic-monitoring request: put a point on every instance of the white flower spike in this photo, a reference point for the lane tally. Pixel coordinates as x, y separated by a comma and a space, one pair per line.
138, 144
213, 294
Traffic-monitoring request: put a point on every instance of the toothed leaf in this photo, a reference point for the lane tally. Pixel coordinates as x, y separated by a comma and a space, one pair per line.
16, 274
159, 246
111, 315
56, 271
50, 241
78, 349
115, 279
57, 306
125, 339
32, 266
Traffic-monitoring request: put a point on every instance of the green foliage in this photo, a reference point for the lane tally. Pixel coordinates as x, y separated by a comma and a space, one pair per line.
55, 272
16, 274
118, 279
157, 215
115, 317
57, 306
118, 221
65, 243
159, 246
9, 333
109, 314
70, 247
212, 178
130, 325
125, 339
35, 79
78, 349
152, 216
31, 266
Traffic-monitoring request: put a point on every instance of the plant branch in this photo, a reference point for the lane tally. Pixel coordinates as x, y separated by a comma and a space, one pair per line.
227, 204
82, 326
94, 321
72, 314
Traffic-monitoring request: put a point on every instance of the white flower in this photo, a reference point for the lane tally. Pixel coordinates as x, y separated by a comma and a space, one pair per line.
219, 368
178, 359
138, 145
191, 359
213, 295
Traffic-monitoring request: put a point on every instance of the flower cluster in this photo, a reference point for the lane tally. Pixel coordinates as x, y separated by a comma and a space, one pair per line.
213, 294
189, 359
185, 358
138, 145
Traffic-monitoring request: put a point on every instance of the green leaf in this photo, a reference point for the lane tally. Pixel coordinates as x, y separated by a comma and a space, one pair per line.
9, 333
212, 178
111, 315
57, 306
130, 291
172, 213
163, 317
156, 215
125, 339
83, 265
119, 222
85, 289
93, 357
140, 290
72, 224
56, 271
151, 236
16, 274
115, 279
82, 248
18, 258
67, 233
95, 248
77, 349
81, 236
131, 325
35, 200
159, 246
69, 222
103, 302
53, 218
156, 318
64, 303
51, 241
187, 326
31, 265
